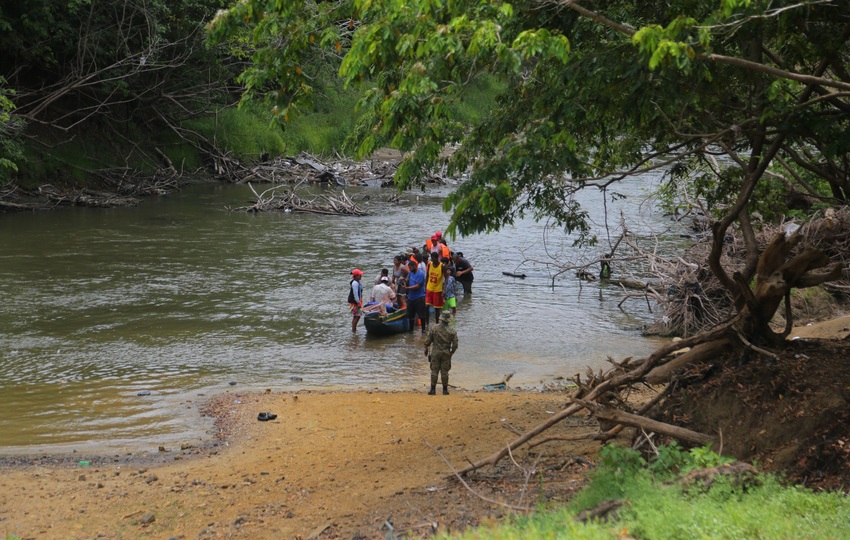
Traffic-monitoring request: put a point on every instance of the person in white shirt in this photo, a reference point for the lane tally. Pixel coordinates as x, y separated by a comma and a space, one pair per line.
383, 294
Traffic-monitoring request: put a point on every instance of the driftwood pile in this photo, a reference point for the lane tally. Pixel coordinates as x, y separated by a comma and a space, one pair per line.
306, 168
296, 173
694, 299
286, 199
116, 187
120, 186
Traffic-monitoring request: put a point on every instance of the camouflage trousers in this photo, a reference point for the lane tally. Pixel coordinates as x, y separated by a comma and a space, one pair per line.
440, 364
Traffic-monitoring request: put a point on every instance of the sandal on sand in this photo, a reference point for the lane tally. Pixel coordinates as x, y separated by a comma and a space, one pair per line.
266, 416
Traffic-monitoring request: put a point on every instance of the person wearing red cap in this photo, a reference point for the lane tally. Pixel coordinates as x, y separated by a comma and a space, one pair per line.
431, 244
355, 297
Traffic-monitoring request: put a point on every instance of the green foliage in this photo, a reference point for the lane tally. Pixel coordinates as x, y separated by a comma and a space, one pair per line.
70, 161
697, 180
85, 66
477, 98
657, 506
291, 45
324, 129
586, 98
10, 147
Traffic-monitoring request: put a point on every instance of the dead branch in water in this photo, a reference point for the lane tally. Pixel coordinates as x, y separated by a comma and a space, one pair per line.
287, 200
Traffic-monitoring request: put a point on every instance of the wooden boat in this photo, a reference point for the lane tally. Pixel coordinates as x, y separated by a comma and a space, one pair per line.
385, 325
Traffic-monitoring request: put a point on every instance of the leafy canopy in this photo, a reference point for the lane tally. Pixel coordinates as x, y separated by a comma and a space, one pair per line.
592, 96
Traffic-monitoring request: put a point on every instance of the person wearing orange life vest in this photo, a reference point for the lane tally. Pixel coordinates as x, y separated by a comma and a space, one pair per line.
436, 244
434, 286
431, 243
442, 247
444, 251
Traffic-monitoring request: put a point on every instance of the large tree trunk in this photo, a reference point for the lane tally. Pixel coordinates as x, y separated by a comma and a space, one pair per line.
775, 277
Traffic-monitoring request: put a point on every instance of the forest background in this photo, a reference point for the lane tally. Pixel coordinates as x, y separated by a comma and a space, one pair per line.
743, 104
98, 94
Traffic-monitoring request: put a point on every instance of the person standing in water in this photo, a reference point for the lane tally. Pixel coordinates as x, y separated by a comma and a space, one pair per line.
355, 297
434, 287
449, 293
463, 273
416, 297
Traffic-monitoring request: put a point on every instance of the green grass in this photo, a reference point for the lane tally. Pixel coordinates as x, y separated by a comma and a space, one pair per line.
659, 507
248, 131
323, 130
245, 132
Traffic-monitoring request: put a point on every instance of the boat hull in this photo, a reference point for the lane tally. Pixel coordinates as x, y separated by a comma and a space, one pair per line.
386, 325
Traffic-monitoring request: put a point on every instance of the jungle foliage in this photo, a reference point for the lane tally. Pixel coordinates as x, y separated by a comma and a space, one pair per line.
111, 70
729, 97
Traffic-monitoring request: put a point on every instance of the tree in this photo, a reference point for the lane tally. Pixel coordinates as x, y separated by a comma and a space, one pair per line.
10, 149
294, 47
595, 97
104, 64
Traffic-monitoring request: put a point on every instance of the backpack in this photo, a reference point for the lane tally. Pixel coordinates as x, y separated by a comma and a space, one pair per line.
351, 292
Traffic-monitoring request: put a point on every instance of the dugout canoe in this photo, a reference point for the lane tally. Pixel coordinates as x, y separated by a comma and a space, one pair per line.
386, 325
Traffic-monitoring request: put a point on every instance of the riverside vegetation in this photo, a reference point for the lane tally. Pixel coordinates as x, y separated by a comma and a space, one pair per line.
584, 98
658, 499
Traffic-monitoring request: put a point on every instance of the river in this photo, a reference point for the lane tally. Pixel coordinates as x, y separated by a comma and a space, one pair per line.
180, 298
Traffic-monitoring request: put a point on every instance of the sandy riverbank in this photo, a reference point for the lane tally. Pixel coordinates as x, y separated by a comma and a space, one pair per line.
331, 465
335, 465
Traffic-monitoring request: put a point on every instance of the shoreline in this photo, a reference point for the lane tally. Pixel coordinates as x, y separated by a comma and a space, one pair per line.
219, 432
201, 439
345, 462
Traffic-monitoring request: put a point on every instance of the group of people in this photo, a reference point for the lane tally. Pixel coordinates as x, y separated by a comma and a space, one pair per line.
420, 279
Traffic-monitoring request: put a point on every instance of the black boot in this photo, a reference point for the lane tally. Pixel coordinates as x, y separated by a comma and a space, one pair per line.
445, 389
433, 390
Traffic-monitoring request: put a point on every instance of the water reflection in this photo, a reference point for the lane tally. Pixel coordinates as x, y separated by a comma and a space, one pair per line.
180, 296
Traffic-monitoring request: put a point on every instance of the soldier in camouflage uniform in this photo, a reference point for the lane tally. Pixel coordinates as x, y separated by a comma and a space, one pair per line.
442, 342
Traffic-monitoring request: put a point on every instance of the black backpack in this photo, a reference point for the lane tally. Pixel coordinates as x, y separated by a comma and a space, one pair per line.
351, 292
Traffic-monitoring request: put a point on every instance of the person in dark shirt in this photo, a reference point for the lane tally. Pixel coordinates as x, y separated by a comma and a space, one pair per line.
463, 272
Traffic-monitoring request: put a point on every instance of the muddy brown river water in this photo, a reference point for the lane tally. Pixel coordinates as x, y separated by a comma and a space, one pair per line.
115, 323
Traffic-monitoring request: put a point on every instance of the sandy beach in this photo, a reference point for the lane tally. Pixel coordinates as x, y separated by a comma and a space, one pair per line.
331, 465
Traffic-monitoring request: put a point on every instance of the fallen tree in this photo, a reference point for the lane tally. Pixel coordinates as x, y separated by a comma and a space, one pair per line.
785, 264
